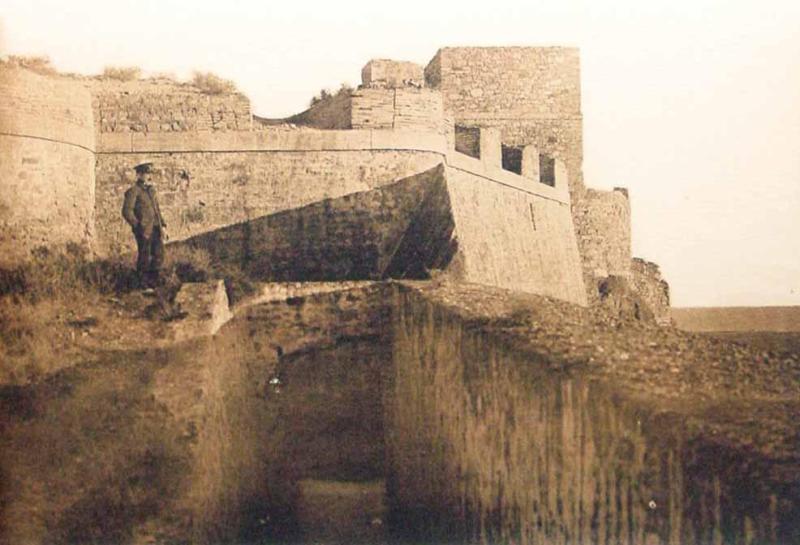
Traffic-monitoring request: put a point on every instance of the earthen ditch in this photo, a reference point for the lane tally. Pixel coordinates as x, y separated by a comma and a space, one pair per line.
388, 412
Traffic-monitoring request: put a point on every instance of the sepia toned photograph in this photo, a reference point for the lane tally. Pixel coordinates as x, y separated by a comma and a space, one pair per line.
417, 273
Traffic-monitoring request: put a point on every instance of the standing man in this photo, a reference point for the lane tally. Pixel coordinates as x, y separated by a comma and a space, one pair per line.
141, 212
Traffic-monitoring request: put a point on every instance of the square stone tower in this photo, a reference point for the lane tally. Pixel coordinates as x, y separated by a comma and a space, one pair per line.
532, 94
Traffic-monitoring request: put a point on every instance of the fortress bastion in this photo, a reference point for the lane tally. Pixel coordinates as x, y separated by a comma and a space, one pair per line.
474, 161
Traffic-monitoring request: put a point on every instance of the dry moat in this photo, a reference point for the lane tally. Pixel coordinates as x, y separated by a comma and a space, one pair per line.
426, 412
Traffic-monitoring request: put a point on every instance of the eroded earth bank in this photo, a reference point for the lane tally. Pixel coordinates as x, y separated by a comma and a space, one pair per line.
409, 412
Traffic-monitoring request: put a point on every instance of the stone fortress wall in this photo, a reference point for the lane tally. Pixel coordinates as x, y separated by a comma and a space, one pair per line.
163, 105
516, 111
47, 163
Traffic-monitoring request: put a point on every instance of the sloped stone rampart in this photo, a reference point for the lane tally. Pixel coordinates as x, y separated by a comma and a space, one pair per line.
362, 236
47, 163
448, 218
514, 239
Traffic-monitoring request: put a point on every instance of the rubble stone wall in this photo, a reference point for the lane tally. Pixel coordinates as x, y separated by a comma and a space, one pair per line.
46, 163
162, 105
654, 291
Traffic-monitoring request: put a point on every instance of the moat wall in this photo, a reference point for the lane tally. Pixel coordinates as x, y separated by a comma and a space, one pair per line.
204, 442
478, 442
492, 446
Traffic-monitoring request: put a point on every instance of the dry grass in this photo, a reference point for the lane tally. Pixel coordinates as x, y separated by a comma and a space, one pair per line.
40, 65
122, 73
41, 304
211, 84
325, 94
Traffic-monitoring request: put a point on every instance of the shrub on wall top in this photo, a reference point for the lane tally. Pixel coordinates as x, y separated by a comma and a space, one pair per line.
211, 84
40, 65
324, 94
122, 73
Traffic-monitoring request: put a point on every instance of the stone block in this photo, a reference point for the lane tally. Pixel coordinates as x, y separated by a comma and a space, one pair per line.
491, 151
530, 162
392, 74
207, 309
562, 178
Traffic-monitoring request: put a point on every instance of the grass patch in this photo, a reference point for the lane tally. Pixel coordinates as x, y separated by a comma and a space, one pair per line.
40, 65
122, 73
211, 84
325, 95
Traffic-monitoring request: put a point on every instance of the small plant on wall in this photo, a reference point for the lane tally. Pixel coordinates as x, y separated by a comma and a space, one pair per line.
211, 84
325, 94
122, 73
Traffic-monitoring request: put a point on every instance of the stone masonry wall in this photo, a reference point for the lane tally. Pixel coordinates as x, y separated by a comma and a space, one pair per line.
514, 239
206, 190
399, 230
647, 282
46, 163
392, 74
406, 108
603, 226
531, 93
160, 105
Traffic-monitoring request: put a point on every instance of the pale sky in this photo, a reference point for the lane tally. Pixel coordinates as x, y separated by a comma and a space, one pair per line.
692, 105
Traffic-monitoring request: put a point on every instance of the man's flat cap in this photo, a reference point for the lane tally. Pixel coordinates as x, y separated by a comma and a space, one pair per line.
144, 168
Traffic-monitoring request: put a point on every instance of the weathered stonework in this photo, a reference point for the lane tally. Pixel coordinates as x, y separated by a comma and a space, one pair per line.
478, 110
602, 222
47, 164
164, 106
647, 282
531, 94
228, 187
392, 74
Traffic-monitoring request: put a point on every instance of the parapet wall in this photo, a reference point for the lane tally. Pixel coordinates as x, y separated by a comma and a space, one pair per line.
162, 105
46, 163
208, 183
390, 73
404, 108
